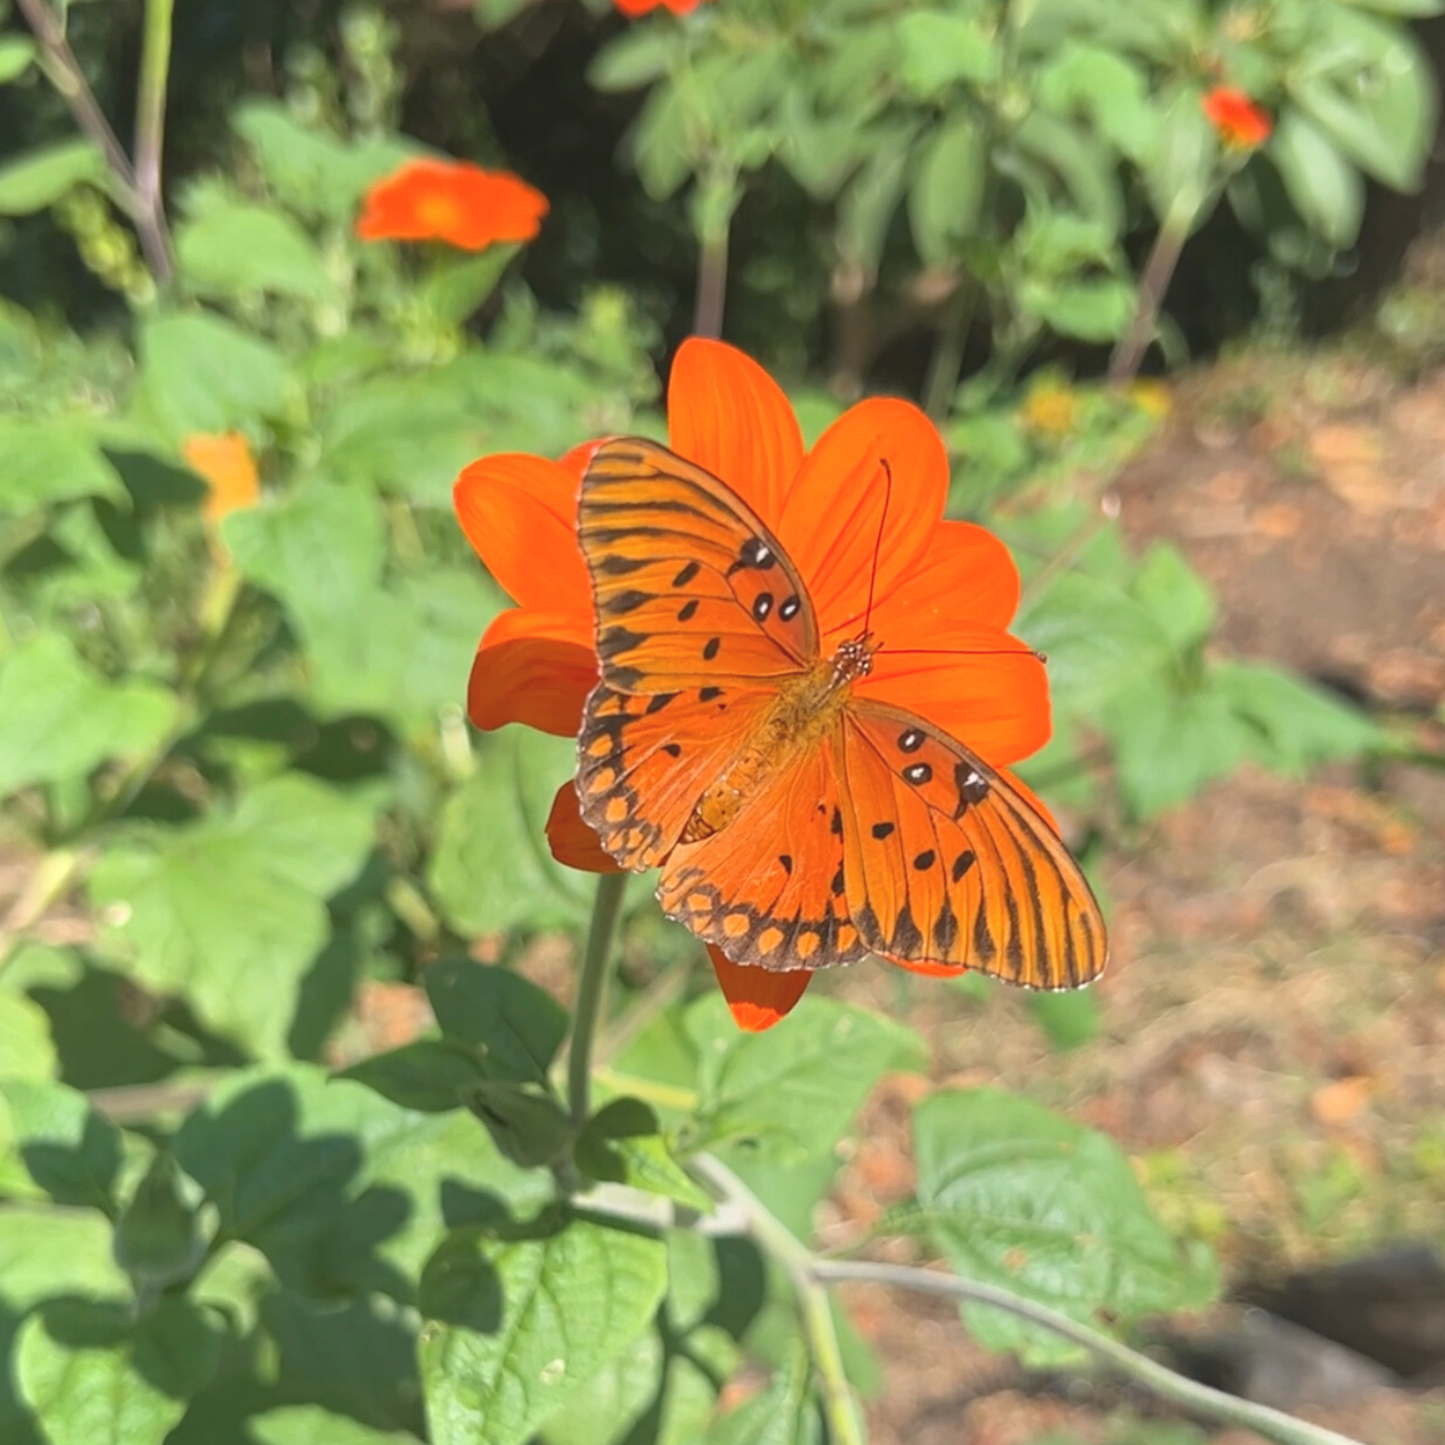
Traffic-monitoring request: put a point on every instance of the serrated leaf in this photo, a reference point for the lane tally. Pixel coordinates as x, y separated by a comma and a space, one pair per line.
70, 1151
512, 1025
1022, 1198
91, 1377
203, 374
230, 912
59, 719
796, 1088
41, 176
517, 1325
235, 250
52, 461
492, 870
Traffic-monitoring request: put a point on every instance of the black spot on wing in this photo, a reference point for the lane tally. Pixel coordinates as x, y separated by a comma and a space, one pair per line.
687, 574
686, 611
945, 928
963, 863
613, 640
983, 945
657, 702
906, 936
707, 694
616, 565
622, 603
882, 830
710, 650
925, 860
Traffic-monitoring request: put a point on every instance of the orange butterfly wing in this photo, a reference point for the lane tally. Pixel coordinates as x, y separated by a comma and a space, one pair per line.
700, 617
946, 862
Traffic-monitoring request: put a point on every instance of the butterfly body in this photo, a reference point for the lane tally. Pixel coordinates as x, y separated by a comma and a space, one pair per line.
798, 822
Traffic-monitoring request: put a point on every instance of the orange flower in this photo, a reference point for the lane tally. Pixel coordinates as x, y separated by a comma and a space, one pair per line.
633, 8
451, 201
1241, 124
943, 592
225, 463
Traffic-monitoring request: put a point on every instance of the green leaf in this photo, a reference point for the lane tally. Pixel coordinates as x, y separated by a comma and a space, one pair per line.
796, 1088
492, 870
311, 1425
635, 58
17, 54
340, 1189
1177, 597
622, 1143
1181, 160
455, 287
203, 374
49, 1252
517, 1325
93, 1378
1021, 1198
26, 1049
526, 1121
59, 719
428, 1075
233, 250
1168, 745
783, 1414
1068, 1020
158, 1238
70, 1151
1371, 92
512, 1025
1108, 88
231, 912
1323, 186
941, 50
52, 461
1295, 724
41, 176
1094, 309
947, 191
606, 1408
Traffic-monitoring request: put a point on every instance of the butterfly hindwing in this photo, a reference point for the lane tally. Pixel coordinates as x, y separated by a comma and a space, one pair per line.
692, 589
768, 889
947, 862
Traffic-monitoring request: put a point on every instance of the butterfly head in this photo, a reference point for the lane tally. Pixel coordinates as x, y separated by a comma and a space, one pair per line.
854, 658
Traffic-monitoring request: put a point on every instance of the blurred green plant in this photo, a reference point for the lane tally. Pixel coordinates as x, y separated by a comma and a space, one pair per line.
235, 620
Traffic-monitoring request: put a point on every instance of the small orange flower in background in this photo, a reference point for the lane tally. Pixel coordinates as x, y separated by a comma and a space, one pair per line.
1241, 123
451, 201
225, 463
633, 8
944, 591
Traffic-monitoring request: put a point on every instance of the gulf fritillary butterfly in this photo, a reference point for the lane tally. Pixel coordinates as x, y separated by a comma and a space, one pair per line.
797, 826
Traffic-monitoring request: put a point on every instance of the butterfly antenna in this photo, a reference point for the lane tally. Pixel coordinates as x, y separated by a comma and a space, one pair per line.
878, 541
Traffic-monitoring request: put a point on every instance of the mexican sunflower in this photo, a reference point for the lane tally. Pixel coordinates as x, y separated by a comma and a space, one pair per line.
633, 8
1241, 123
451, 201
224, 461
943, 591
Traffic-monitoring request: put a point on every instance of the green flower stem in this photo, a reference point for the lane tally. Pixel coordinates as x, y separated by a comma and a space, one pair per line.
1187, 1394
150, 126
1158, 272
592, 992
776, 1239
812, 1275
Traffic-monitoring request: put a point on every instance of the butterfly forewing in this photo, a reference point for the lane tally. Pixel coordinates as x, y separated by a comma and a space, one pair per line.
946, 862
692, 590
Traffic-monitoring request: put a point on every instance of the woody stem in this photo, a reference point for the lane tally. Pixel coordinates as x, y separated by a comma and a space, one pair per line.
592, 991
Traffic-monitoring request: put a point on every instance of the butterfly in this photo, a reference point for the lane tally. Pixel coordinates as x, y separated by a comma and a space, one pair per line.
797, 825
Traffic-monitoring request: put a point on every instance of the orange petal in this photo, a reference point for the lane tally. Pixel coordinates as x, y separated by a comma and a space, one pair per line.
534, 668
520, 513
572, 842
726, 413
833, 521
965, 571
758, 997
982, 686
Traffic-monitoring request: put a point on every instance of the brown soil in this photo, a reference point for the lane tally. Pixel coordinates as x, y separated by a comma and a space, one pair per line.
1273, 1042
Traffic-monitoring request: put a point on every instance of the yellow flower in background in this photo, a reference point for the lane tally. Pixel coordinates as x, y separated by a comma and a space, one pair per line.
224, 461
1152, 396
1051, 409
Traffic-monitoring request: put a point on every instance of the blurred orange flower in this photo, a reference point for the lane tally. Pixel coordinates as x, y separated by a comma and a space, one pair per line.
1241, 123
225, 463
451, 201
950, 584
634, 8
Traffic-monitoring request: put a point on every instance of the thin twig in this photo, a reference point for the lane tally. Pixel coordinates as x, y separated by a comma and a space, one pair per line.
712, 286
1158, 272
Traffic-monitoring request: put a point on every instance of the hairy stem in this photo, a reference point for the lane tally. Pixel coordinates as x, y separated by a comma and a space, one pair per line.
592, 992
1158, 272
1188, 1394
844, 1426
150, 127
